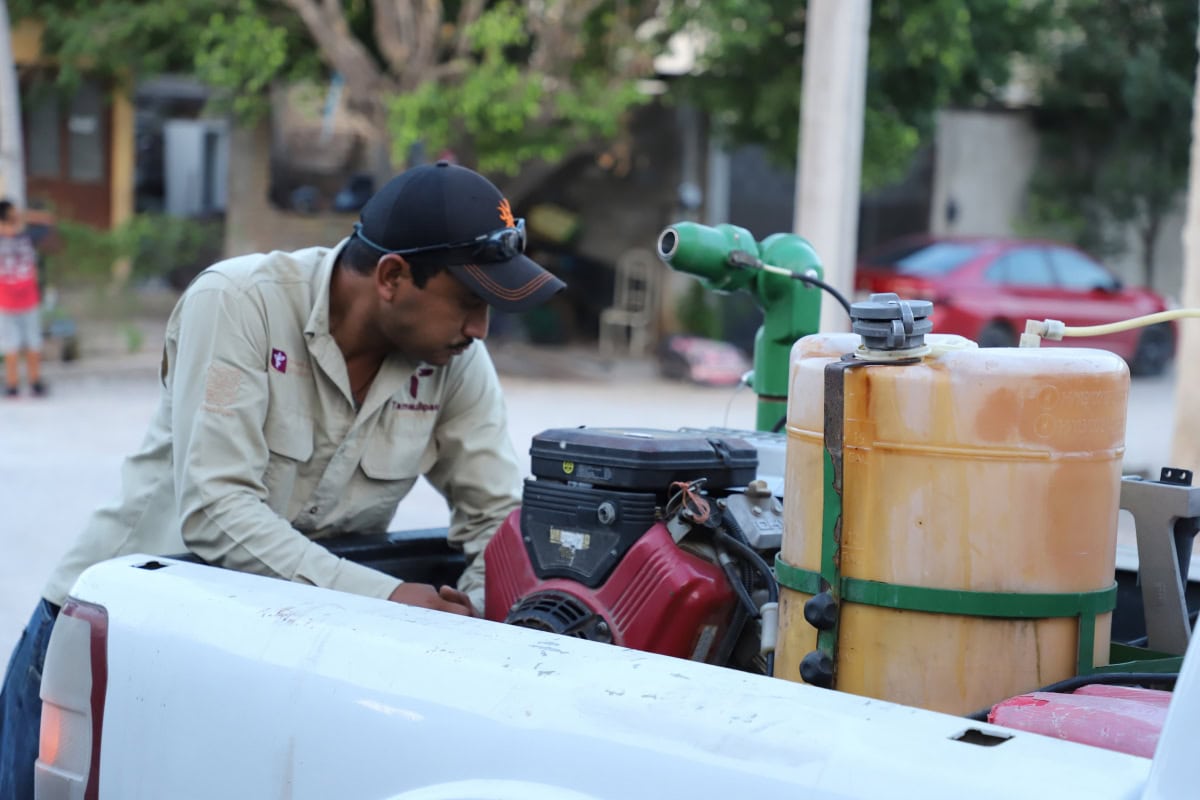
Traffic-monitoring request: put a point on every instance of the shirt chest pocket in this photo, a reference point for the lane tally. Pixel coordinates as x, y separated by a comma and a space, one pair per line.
399, 455
290, 444
391, 463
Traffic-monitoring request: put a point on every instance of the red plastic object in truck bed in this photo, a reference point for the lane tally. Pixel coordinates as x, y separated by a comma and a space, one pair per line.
1122, 718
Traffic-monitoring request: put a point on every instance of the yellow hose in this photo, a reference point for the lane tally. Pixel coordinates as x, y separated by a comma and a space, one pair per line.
1055, 330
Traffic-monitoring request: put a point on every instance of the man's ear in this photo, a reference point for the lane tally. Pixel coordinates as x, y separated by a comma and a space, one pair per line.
392, 273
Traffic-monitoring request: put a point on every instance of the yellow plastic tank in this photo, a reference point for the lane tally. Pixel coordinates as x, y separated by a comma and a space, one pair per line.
978, 470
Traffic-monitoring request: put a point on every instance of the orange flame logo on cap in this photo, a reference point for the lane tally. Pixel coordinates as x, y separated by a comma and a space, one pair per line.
506, 215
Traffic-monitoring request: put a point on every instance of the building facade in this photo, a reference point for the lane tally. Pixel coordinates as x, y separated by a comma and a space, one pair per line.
79, 147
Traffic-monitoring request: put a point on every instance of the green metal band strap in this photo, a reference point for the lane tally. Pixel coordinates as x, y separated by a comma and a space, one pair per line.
1127, 658
795, 578
1012, 605
1001, 605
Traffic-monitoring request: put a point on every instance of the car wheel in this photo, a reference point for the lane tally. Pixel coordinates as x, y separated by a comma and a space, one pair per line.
996, 334
1155, 347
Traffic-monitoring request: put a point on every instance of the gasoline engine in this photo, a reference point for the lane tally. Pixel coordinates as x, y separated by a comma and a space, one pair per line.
654, 540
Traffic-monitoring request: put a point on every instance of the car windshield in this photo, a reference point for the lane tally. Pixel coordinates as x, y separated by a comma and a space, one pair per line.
937, 258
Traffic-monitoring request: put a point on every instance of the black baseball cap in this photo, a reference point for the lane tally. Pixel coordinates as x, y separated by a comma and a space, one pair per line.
444, 213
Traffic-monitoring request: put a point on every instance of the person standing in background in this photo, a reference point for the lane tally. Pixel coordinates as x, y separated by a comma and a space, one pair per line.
20, 300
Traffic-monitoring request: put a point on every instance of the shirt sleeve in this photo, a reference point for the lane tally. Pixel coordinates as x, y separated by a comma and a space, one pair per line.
476, 469
218, 394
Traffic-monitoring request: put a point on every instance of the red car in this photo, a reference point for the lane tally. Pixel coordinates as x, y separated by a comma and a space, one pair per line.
986, 288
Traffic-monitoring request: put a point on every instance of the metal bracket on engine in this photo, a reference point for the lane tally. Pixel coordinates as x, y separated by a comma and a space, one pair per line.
1166, 515
759, 514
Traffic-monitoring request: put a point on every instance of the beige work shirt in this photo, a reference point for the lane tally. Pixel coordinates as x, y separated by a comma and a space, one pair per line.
257, 449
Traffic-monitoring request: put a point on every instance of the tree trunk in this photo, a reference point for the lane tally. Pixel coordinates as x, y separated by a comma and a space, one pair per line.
249, 185
1186, 452
1149, 247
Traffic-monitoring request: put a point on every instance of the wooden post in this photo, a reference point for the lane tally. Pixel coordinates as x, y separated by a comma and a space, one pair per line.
831, 135
12, 150
1186, 452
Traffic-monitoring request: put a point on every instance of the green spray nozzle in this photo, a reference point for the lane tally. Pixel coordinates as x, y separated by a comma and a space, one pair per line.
726, 258
713, 254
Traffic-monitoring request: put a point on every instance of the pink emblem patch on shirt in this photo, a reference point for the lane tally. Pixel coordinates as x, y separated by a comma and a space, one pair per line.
415, 382
279, 360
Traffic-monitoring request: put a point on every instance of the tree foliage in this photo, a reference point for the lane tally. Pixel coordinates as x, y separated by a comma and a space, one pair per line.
119, 40
922, 57
529, 87
509, 80
1116, 85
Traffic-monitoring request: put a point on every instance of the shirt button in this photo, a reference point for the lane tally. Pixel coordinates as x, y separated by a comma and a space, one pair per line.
314, 510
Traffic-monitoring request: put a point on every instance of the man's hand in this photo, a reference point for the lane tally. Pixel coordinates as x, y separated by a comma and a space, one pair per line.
423, 595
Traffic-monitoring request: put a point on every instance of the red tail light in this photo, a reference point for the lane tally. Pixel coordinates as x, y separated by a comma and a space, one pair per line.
74, 682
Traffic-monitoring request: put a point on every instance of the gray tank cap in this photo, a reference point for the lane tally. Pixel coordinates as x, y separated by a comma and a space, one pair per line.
885, 322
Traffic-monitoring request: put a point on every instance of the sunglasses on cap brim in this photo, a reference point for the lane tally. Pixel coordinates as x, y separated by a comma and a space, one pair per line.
490, 248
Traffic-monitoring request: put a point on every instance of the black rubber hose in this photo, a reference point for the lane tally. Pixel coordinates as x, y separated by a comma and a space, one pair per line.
823, 285
729, 641
745, 260
737, 542
1110, 678
1106, 678
739, 588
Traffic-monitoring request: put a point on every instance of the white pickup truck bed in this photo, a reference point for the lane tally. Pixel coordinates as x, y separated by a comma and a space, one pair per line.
226, 685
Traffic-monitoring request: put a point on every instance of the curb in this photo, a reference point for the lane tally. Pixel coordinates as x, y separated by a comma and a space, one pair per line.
512, 359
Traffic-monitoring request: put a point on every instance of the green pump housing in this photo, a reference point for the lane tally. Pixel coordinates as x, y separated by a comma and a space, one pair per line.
718, 256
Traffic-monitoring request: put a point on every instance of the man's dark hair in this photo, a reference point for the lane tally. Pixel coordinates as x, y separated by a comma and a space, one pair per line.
362, 258
6, 208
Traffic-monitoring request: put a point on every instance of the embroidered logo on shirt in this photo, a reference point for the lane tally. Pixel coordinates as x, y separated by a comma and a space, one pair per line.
415, 406
415, 383
414, 387
279, 360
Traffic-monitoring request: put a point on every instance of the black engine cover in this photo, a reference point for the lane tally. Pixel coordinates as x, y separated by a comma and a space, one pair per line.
579, 532
642, 459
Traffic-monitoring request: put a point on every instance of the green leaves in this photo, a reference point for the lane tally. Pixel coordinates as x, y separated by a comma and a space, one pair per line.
241, 52
117, 39
923, 56
507, 111
489, 100
1115, 116
154, 244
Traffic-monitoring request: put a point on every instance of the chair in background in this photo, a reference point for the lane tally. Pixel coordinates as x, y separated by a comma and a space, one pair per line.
628, 325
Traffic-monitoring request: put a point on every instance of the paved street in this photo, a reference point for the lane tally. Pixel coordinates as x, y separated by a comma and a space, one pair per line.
60, 457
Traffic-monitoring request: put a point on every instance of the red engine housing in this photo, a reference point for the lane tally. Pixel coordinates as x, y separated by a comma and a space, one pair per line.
659, 598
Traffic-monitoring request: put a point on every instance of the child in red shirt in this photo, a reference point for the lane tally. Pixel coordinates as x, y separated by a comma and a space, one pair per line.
20, 321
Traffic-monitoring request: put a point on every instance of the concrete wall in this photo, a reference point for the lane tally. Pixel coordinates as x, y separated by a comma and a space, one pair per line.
253, 224
982, 169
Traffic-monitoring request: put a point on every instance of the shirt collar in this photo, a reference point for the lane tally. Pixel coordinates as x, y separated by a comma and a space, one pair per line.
395, 371
318, 318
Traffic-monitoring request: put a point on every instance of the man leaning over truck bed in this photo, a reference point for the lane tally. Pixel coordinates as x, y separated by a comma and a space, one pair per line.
303, 395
